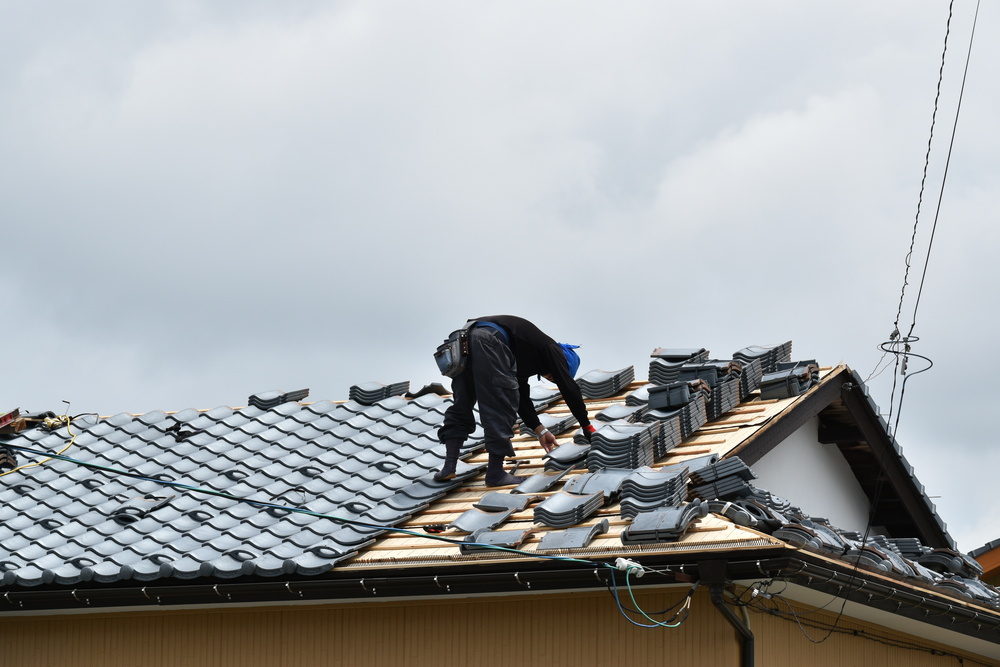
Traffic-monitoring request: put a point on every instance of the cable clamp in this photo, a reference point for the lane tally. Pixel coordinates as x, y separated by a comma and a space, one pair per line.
628, 565
445, 587
517, 578
288, 587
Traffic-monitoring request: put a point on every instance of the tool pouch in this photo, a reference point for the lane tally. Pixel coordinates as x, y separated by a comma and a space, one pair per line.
452, 355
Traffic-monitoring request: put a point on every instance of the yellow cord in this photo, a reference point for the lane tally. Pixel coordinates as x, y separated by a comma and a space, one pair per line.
51, 423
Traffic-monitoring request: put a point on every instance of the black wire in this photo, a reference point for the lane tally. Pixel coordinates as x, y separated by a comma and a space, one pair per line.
614, 593
947, 164
923, 178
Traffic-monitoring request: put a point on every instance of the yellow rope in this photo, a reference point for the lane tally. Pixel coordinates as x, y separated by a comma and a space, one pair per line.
50, 423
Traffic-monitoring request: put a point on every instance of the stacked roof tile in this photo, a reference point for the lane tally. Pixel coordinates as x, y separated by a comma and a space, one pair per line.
370, 393
605, 384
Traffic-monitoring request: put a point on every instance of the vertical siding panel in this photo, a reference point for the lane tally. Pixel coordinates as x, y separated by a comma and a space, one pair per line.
544, 630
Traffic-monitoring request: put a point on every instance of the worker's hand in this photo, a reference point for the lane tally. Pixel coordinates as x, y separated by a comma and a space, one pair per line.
546, 439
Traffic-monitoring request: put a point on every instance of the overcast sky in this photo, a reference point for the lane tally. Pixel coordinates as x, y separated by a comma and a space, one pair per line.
201, 201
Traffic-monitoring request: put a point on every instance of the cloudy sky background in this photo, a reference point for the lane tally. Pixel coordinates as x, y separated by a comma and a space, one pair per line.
201, 201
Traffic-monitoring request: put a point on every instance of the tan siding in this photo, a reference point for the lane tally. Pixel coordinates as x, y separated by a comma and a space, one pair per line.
550, 631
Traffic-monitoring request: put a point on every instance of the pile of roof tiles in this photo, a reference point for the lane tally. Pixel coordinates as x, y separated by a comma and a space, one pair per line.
563, 509
789, 380
567, 456
622, 445
370, 393
540, 481
542, 397
689, 418
663, 525
485, 540
667, 362
269, 400
607, 480
620, 412
647, 489
577, 537
556, 424
905, 557
769, 355
725, 479
599, 384
475, 519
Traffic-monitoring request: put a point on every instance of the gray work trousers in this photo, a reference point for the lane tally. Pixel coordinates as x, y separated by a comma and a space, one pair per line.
489, 378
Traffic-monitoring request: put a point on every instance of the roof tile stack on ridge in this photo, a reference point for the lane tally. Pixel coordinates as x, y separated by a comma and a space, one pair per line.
789, 379
769, 355
604, 384
269, 400
370, 393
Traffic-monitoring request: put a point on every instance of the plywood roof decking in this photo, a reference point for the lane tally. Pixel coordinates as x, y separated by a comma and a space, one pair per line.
718, 437
708, 533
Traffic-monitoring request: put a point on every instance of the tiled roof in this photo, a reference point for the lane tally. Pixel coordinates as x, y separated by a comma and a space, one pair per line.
66, 523
300, 489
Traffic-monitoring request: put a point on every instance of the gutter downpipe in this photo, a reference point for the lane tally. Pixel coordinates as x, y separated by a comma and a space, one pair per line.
747, 645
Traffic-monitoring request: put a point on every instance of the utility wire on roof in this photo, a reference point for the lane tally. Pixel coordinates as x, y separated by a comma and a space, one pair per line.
898, 345
622, 564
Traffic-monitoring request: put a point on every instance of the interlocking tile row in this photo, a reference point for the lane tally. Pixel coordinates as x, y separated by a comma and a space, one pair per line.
366, 467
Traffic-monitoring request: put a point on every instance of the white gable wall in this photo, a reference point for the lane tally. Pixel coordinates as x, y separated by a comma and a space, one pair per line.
815, 477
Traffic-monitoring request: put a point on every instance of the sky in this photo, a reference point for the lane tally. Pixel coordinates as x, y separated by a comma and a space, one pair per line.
205, 200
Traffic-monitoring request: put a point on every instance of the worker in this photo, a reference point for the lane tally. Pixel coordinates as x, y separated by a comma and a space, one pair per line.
504, 351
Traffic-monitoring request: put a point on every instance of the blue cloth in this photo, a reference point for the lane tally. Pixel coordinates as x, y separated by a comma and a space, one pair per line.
497, 327
572, 358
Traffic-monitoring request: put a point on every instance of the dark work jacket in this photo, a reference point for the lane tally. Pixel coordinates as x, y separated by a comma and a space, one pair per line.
535, 353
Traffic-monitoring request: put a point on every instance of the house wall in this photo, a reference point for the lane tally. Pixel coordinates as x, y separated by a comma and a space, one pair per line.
544, 630
815, 477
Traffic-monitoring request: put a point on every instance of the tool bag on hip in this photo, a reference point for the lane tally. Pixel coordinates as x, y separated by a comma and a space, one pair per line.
452, 355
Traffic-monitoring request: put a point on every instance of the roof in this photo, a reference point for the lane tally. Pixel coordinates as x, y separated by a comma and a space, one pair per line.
336, 499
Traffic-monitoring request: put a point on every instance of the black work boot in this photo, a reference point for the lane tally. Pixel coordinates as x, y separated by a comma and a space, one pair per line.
497, 476
452, 448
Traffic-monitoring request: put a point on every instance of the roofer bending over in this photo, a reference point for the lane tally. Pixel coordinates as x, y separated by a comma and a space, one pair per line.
504, 351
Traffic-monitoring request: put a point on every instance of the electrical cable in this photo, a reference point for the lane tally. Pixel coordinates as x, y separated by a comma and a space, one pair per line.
52, 423
895, 340
299, 510
672, 622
